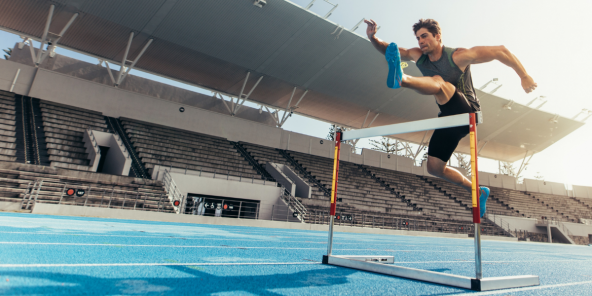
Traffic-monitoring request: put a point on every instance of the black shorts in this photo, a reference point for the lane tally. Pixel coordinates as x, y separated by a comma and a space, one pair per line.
444, 141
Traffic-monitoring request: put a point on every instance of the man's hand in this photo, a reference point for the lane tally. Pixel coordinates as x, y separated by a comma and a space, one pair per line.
371, 29
528, 84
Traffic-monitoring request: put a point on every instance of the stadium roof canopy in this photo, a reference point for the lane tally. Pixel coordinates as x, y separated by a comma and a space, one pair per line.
215, 43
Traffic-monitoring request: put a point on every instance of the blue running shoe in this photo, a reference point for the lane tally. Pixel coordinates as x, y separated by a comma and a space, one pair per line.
483, 200
395, 74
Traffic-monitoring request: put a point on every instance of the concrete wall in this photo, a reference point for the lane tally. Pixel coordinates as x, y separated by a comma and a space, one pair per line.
8, 72
68, 210
267, 195
527, 224
579, 229
117, 161
276, 171
545, 187
91, 145
582, 191
289, 179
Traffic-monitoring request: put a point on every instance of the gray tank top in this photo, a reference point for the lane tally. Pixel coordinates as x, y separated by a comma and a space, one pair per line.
449, 71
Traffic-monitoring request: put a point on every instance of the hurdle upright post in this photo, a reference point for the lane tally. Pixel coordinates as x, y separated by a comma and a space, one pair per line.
475, 194
334, 191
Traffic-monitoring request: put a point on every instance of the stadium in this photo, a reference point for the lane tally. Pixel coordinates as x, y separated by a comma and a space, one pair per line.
114, 183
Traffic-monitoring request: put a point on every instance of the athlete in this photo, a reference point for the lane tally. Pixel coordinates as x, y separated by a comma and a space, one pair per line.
447, 76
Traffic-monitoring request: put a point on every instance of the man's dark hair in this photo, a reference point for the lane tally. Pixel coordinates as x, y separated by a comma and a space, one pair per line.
431, 25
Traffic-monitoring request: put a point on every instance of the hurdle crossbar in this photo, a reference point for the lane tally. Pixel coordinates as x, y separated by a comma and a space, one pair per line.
382, 264
408, 127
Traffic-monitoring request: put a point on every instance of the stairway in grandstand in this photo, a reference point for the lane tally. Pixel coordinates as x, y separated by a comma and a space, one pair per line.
49, 185
8, 144
256, 165
137, 169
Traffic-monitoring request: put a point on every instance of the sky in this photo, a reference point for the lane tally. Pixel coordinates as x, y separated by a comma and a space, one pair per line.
541, 34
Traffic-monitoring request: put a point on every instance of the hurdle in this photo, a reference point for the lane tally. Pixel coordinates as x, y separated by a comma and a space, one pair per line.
382, 264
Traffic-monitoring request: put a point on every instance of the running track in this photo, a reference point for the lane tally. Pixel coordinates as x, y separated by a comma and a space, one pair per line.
72, 255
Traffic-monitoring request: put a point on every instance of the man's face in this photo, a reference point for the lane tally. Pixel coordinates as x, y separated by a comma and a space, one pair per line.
426, 41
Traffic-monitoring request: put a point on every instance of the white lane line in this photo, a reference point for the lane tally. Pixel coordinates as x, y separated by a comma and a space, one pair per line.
151, 264
242, 247
508, 291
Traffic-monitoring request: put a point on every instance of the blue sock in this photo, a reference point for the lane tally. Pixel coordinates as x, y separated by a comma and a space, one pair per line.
395, 74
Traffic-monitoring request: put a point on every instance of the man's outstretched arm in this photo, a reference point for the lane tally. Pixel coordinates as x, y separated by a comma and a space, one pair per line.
484, 54
412, 54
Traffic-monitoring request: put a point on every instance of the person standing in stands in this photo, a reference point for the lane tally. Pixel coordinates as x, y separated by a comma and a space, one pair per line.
447, 76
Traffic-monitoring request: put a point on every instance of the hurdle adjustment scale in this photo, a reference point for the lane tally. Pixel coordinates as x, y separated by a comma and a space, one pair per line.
385, 264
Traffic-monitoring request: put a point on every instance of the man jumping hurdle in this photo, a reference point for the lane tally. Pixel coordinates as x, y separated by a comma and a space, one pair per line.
447, 76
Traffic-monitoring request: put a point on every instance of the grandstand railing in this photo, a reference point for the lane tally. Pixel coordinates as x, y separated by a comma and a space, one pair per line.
294, 205
175, 196
396, 223
499, 221
231, 208
91, 196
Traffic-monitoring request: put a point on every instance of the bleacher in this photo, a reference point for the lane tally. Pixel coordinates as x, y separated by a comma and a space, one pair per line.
64, 127
7, 127
565, 206
170, 147
525, 205
354, 187
458, 193
367, 192
432, 202
20, 181
585, 202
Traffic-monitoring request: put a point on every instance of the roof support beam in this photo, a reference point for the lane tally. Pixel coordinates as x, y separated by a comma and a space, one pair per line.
136, 60
124, 71
241, 92
364, 123
523, 164
110, 73
420, 147
239, 105
484, 144
51, 50
274, 116
123, 62
371, 122
286, 112
223, 101
44, 36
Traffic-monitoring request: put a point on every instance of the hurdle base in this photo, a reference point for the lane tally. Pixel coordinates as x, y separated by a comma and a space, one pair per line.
485, 284
376, 259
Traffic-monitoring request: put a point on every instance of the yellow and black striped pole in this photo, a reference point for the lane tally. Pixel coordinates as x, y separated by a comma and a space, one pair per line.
338, 136
475, 194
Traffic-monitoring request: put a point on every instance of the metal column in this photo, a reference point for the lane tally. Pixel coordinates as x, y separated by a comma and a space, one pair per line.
475, 194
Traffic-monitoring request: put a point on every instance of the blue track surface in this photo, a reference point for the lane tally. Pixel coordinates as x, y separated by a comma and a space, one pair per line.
72, 255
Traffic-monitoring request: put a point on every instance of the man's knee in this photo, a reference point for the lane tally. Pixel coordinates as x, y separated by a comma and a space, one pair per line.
435, 168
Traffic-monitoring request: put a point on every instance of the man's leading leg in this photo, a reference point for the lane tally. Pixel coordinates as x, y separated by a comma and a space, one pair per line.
426, 85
